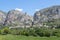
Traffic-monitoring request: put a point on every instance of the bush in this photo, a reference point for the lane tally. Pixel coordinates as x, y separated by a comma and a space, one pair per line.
0, 31
24, 32
43, 32
47, 33
5, 31
32, 32
56, 32
28, 32
15, 32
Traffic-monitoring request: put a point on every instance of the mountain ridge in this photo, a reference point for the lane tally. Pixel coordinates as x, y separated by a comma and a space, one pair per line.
20, 18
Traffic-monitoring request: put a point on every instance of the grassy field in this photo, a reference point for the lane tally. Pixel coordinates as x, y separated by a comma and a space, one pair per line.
19, 37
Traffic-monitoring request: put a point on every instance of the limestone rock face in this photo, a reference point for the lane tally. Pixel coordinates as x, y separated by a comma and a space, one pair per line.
18, 18
2, 17
47, 14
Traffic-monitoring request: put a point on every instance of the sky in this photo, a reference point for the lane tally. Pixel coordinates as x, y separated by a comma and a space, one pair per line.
29, 6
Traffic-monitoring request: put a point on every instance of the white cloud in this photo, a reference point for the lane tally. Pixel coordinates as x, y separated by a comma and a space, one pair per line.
37, 9
19, 9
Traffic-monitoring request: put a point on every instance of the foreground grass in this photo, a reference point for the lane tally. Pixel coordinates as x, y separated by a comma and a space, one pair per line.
19, 37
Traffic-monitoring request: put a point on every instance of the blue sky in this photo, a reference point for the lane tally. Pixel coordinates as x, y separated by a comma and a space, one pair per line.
28, 6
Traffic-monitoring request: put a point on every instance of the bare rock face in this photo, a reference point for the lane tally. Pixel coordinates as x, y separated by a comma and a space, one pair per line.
18, 18
47, 14
2, 17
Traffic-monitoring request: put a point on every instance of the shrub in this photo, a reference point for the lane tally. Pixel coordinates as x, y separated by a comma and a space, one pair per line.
0, 31
56, 32
24, 32
28, 32
32, 32
47, 33
5, 31
39, 32
43, 32
15, 32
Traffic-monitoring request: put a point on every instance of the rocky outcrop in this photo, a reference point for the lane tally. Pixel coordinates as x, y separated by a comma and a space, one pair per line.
47, 14
18, 18
2, 17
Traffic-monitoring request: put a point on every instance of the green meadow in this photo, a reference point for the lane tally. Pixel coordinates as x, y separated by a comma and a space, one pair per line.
19, 37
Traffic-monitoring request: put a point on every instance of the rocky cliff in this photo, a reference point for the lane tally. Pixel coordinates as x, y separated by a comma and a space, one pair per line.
2, 17
18, 18
47, 14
